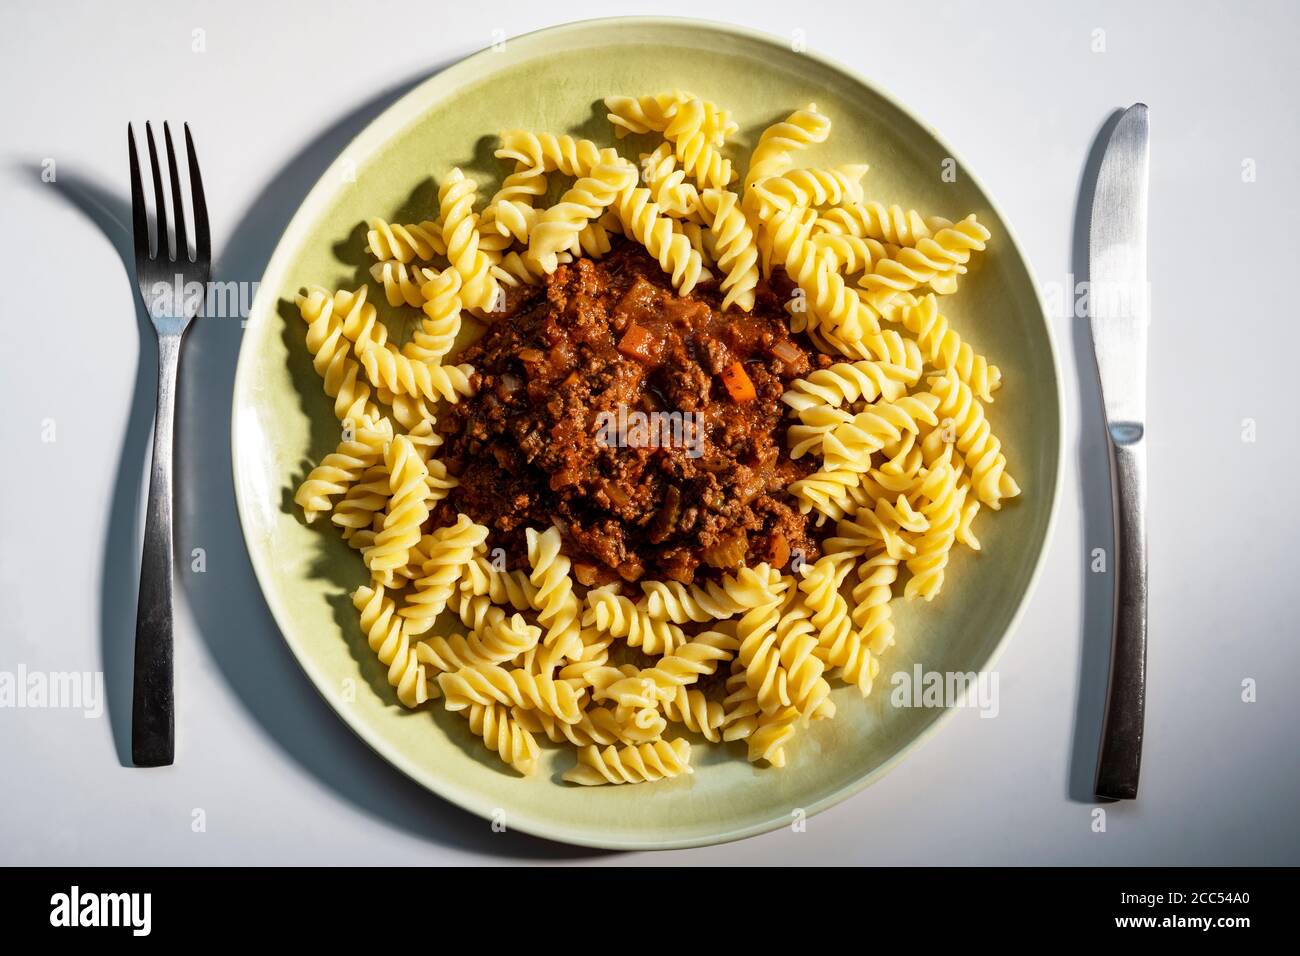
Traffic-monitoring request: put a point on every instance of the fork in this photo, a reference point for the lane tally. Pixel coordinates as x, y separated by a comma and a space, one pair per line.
165, 272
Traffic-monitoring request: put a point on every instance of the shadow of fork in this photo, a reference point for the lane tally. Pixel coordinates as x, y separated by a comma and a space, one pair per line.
226, 602
119, 578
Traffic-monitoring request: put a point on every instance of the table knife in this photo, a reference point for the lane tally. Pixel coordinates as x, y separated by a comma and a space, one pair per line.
1119, 310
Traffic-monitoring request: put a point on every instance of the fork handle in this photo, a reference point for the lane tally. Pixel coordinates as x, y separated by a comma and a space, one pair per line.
1121, 737
152, 712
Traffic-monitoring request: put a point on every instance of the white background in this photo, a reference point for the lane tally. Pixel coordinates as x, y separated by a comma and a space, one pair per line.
1017, 88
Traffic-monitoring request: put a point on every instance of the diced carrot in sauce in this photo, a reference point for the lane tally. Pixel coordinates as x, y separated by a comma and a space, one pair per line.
639, 344
739, 387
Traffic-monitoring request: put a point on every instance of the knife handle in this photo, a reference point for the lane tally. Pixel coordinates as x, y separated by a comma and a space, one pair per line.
1121, 737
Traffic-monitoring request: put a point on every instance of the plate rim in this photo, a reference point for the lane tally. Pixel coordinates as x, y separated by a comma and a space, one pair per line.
445, 787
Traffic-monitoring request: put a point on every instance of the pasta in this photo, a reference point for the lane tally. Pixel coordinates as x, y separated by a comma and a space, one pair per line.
974, 438
556, 605
809, 188
771, 156
419, 242
403, 284
495, 639
696, 712
944, 349
549, 153
559, 229
408, 509
618, 616
662, 237
521, 634
390, 640
931, 258
460, 232
873, 220
666, 182
845, 383
485, 683
733, 243
692, 140
343, 468
450, 551
437, 331
645, 114
504, 735
631, 764
685, 665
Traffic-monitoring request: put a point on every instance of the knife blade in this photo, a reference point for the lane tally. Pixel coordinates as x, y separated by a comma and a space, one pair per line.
1119, 312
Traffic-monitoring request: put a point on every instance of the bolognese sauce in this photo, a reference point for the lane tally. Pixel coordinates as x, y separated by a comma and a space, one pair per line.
646, 425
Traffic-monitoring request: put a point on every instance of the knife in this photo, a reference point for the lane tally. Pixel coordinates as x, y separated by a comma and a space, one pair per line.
1119, 311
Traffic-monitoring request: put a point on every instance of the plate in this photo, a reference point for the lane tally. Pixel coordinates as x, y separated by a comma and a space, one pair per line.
554, 80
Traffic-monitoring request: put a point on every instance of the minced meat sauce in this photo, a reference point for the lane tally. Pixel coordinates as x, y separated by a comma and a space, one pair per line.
553, 434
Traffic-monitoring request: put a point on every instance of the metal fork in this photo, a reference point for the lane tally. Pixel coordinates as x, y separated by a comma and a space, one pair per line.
166, 273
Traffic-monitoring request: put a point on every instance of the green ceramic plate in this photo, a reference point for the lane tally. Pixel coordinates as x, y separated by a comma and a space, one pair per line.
553, 80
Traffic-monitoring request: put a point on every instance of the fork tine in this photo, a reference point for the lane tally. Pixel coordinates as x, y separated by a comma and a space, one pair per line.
202, 243
159, 201
178, 207
139, 216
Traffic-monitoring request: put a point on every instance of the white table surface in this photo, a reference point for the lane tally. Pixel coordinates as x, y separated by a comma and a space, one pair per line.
1016, 87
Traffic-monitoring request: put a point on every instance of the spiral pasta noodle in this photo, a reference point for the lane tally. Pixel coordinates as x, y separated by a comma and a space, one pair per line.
387, 368
504, 735
667, 183
343, 468
632, 764
698, 657
851, 255
402, 284
931, 258
598, 725
559, 227
847, 382
415, 242
736, 251
832, 304
618, 616
557, 606
389, 639
496, 639
874, 220
450, 553
331, 356
434, 337
945, 499
489, 683
945, 349
798, 643
662, 237
871, 595
407, 509
654, 113
771, 155
771, 733
851, 443
512, 210
974, 438
809, 188
460, 232
693, 145
759, 654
